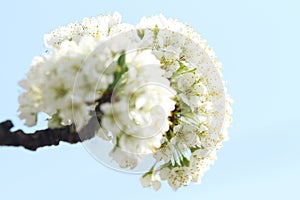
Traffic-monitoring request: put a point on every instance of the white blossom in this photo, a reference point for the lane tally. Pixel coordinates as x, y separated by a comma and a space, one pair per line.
186, 136
123, 158
179, 176
97, 27
150, 180
165, 153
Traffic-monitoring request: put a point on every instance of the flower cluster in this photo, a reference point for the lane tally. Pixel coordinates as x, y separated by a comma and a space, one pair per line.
167, 95
137, 115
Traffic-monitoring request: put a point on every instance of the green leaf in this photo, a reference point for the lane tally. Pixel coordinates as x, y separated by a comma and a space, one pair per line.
141, 33
185, 162
155, 31
121, 69
122, 59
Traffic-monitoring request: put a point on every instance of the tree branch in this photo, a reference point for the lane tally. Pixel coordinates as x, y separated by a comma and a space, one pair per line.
46, 137
49, 137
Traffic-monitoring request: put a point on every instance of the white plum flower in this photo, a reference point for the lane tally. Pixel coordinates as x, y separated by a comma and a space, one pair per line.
97, 27
150, 180
124, 159
200, 163
178, 177
139, 116
165, 153
165, 173
186, 136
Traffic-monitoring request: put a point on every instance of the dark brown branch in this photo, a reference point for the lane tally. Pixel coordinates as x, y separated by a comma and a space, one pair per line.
49, 137
46, 137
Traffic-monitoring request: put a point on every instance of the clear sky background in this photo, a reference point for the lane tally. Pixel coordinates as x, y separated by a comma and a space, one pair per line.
258, 43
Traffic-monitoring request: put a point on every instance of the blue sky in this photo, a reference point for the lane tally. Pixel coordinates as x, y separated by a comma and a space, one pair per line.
258, 44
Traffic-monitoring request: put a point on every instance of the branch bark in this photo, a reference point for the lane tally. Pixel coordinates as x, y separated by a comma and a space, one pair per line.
46, 137
49, 137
